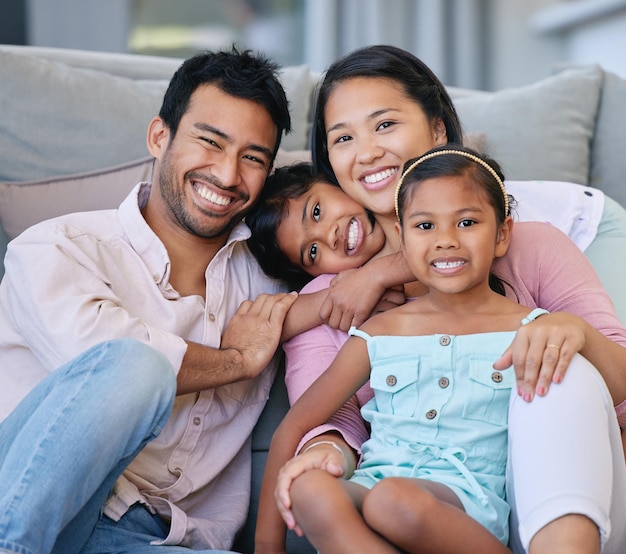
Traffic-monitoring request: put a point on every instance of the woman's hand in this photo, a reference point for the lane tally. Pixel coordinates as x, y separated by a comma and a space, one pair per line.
338, 461
542, 351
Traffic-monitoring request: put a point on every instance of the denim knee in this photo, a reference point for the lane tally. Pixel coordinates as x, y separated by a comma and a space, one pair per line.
133, 371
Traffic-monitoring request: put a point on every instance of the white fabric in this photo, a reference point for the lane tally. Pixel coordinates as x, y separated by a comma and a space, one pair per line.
575, 425
574, 209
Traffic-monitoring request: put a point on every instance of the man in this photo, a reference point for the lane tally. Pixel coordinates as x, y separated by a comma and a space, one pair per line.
155, 318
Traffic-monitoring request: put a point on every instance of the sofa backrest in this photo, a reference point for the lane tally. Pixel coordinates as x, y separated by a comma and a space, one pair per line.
72, 133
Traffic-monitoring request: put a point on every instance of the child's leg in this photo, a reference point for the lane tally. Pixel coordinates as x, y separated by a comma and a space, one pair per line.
566, 465
328, 510
421, 516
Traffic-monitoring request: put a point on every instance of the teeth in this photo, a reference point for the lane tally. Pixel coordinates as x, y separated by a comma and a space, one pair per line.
353, 234
212, 196
447, 265
376, 177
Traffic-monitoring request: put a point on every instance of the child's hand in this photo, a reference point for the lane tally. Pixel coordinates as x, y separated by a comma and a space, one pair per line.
542, 351
353, 295
320, 455
392, 298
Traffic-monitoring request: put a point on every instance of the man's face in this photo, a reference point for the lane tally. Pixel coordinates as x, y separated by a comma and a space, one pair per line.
213, 170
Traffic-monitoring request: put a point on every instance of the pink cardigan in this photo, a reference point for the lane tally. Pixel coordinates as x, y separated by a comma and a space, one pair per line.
545, 268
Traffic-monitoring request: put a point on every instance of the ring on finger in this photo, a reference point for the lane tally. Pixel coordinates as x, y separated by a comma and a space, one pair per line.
553, 346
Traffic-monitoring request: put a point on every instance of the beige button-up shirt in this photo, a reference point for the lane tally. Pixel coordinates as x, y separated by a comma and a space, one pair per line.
77, 280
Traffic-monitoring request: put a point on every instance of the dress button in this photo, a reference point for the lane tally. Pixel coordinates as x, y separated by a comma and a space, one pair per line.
431, 414
444, 382
211, 318
496, 377
391, 380
196, 420
445, 340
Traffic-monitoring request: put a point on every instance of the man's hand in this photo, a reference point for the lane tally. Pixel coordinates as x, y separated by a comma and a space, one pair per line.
255, 329
248, 344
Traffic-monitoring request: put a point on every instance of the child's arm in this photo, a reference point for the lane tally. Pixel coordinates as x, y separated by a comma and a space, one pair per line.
344, 377
353, 294
305, 312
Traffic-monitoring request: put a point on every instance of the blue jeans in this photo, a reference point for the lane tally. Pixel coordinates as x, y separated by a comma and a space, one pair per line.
132, 535
67, 442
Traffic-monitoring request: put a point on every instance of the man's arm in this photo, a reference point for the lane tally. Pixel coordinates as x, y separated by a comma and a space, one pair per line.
248, 344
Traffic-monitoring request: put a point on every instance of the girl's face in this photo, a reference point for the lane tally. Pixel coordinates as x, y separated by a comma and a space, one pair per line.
450, 235
372, 129
324, 231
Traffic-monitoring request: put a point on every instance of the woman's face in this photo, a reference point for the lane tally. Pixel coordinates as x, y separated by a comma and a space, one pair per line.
372, 128
324, 231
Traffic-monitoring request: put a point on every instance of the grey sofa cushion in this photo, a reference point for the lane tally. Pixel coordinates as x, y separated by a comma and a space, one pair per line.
608, 156
540, 131
60, 119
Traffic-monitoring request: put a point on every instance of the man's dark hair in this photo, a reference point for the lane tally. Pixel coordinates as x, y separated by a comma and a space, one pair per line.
242, 74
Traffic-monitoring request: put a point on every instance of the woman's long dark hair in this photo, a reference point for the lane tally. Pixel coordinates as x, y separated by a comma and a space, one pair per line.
388, 62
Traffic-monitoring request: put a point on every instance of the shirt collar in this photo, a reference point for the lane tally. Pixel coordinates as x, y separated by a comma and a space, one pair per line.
148, 245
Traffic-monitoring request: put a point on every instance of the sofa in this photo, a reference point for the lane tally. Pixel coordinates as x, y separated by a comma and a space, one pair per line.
72, 138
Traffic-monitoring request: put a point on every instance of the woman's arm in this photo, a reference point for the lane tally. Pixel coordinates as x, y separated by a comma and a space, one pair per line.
546, 269
540, 365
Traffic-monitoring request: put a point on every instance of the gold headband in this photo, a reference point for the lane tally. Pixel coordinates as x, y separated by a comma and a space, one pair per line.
460, 153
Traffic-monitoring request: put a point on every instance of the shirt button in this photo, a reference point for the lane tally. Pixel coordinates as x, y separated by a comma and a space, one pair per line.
431, 414
445, 340
212, 317
391, 380
496, 377
196, 421
444, 382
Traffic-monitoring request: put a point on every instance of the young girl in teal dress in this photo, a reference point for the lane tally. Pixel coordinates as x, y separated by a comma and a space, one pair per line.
432, 475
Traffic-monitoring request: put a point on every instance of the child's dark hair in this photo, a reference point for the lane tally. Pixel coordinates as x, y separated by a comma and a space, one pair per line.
242, 74
285, 184
453, 160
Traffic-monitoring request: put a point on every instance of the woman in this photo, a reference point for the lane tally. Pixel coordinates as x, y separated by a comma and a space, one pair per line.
377, 108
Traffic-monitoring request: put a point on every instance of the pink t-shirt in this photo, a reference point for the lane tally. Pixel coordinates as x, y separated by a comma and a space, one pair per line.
544, 267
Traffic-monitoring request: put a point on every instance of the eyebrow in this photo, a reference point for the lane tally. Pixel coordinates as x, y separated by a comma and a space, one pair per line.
373, 115
458, 213
305, 210
210, 129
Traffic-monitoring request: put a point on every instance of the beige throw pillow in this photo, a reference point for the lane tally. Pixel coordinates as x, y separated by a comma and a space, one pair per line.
26, 203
